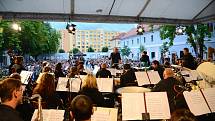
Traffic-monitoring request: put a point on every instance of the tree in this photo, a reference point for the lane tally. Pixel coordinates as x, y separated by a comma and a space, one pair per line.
196, 36
61, 51
125, 51
105, 49
74, 51
35, 38
142, 48
90, 49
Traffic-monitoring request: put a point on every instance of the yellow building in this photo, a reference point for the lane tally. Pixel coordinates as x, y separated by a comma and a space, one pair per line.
67, 41
94, 38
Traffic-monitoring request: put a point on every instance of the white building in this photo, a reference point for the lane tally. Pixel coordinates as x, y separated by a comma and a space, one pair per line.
152, 42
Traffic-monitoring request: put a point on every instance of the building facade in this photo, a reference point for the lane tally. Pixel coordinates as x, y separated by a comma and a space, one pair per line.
97, 39
67, 41
152, 42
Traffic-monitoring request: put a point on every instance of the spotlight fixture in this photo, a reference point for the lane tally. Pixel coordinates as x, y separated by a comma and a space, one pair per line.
71, 28
140, 30
16, 27
180, 30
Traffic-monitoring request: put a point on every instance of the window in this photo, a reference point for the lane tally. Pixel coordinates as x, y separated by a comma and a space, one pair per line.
132, 42
124, 43
152, 55
152, 38
144, 39
138, 41
127, 43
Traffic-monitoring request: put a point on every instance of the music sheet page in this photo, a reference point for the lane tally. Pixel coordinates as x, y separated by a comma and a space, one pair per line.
50, 115
132, 106
112, 70
142, 78
210, 97
25, 75
157, 105
154, 77
104, 114
74, 84
105, 84
196, 102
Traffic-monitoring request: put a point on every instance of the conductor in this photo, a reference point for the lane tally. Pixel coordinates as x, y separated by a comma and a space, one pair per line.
115, 58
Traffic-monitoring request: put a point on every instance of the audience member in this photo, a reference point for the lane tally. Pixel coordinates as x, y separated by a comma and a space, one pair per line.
188, 60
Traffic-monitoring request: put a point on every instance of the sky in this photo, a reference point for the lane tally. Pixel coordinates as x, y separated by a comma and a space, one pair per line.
93, 26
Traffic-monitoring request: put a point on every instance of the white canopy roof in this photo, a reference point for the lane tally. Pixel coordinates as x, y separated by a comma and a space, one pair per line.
117, 11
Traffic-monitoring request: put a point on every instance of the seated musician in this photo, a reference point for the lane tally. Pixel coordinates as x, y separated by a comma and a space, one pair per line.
90, 89
81, 108
11, 95
72, 72
157, 67
47, 90
80, 69
128, 78
103, 72
167, 84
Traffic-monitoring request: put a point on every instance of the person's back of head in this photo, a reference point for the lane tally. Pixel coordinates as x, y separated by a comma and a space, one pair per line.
81, 108
15, 76
103, 66
186, 51
182, 115
168, 72
90, 81
7, 88
144, 52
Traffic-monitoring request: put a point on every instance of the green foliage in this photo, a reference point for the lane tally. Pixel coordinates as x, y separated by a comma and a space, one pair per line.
125, 51
35, 38
90, 49
196, 34
61, 51
74, 51
142, 48
164, 47
105, 49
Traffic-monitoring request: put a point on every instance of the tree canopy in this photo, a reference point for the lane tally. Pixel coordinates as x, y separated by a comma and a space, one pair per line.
196, 36
35, 38
105, 49
90, 49
74, 51
125, 51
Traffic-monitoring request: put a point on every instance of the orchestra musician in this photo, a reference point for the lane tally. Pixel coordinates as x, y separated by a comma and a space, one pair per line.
81, 108
167, 85
128, 78
11, 95
103, 72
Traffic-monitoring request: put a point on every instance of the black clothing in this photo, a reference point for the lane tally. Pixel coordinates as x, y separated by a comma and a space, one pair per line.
115, 57
145, 59
94, 95
82, 73
128, 78
103, 73
59, 74
188, 61
160, 70
18, 68
7, 113
167, 85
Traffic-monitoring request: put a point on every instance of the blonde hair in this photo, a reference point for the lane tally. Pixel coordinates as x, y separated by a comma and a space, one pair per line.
90, 81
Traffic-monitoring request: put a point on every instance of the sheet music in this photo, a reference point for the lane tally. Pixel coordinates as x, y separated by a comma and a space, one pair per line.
196, 102
210, 97
155, 100
142, 78
154, 77
25, 75
74, 84
104, 114
50, 115
132, 106
193, 75
105, 84
156, 103
112, 70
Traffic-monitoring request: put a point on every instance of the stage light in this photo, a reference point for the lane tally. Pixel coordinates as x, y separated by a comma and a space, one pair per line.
140, 30
16, 27
71, 28
180, 30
